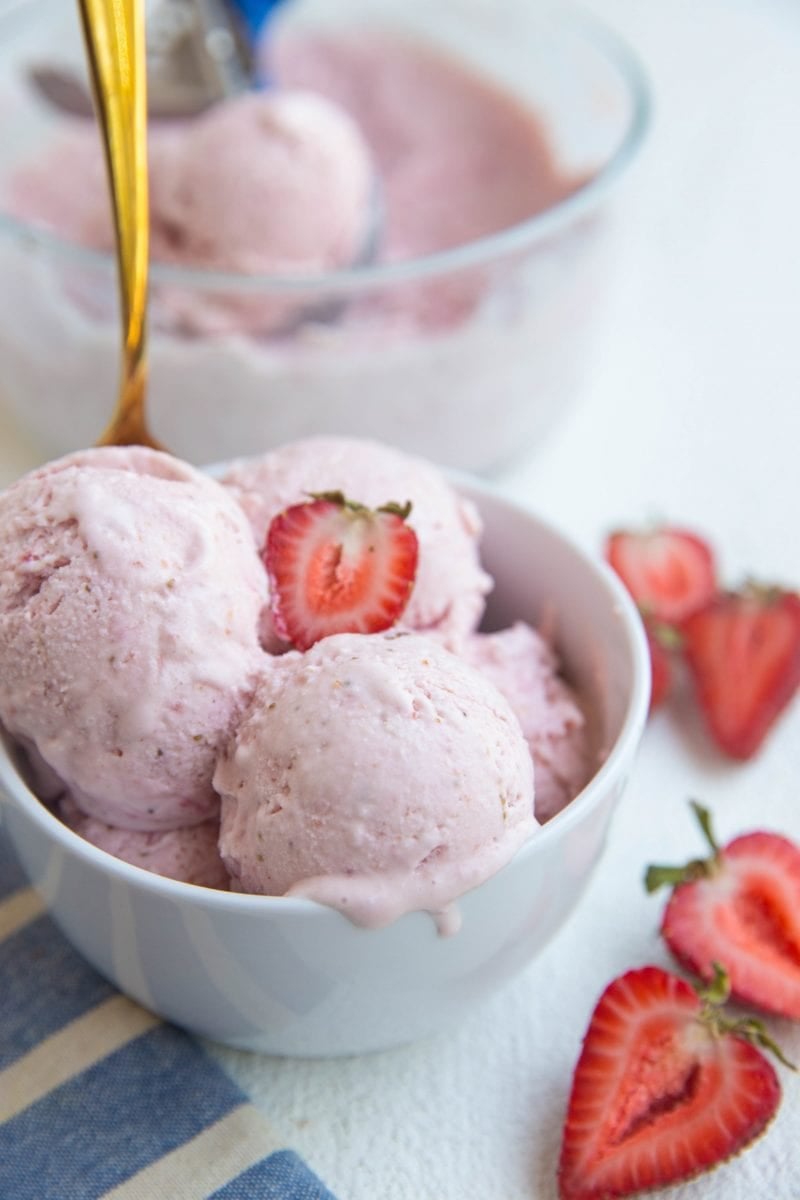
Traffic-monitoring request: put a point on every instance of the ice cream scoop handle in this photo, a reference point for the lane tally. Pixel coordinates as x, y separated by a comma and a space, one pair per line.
254, 15
115, 41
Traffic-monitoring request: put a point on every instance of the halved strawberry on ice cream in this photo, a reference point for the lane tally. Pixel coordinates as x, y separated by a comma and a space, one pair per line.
336, 566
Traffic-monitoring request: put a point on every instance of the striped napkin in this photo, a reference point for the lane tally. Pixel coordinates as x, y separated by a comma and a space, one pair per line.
99, 1098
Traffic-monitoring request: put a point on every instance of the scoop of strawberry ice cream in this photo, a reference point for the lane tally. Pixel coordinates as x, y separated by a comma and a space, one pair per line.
190, 854
268, 181
524, 667
449, 593
379, 774
130, 594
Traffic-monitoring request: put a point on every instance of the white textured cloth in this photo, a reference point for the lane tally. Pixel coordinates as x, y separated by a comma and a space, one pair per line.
691, 413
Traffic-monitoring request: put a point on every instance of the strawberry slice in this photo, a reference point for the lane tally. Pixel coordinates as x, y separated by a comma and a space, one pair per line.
665, 1088
743, 653
669, 572
740, 906
336, 566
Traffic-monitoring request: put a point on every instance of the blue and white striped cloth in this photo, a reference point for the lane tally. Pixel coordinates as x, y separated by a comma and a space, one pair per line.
99, 1098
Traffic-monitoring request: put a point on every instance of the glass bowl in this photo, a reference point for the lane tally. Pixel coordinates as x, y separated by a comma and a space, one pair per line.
467, 356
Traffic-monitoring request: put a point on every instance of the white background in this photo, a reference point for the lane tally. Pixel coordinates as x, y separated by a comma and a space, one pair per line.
692, 412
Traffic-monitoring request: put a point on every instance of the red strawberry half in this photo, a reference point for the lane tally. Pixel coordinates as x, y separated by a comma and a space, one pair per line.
743, 652
664, 1089
740, 906
669, 572
336, 566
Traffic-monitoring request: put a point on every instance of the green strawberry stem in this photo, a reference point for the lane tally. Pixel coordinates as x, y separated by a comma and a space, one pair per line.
703, 816
697, 868
667, 636
399, 510
713, 995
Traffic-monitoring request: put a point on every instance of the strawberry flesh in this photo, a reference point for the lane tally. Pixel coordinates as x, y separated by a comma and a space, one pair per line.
338, 567
745, 912
660, 1094
743, 653
670, 572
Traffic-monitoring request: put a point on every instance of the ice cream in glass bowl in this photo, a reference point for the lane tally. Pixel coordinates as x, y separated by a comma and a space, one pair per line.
304, 846
490, 148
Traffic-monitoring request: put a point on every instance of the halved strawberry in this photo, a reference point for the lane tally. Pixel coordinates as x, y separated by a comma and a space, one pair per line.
336, 566
740, 906
665, 1088
743, 653
669, 572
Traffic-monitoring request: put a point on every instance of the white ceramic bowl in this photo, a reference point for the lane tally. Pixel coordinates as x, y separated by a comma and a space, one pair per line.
291, 977
471, 394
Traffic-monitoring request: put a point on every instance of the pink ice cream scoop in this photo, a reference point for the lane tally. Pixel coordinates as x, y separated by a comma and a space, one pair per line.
130, 594
450, 588
277, 182
524, 667
190, 854
267, 183
378, 774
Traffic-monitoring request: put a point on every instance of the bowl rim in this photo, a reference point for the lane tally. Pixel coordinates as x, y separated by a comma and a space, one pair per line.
14, 791
523, 236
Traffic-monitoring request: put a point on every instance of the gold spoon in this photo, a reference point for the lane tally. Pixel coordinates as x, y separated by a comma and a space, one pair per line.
115, 43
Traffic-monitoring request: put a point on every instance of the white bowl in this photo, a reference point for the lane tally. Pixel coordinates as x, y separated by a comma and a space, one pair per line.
291, 977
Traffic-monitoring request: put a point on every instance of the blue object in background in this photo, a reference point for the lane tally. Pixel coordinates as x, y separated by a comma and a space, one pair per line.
254, 15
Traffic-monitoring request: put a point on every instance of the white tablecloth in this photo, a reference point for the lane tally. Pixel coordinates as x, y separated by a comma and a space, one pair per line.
691, 412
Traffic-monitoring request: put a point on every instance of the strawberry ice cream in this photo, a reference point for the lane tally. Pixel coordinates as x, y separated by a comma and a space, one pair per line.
130, 595
458, 154
523, 666
451, 586
379, 774
189, 854
267, 182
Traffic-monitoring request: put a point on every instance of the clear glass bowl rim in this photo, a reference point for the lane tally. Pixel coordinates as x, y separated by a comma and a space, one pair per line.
483, 251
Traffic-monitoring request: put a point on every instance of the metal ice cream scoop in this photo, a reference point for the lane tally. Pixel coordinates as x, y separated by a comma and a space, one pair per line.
198, 52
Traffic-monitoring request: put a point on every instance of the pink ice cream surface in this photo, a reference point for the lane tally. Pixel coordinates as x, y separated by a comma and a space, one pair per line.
65, 188
266, 182
458, 155
524, 667
377, 774
190, 855
450, 588
130, 596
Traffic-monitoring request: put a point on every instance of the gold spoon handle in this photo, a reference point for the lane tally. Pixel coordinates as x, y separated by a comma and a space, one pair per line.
115, 42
